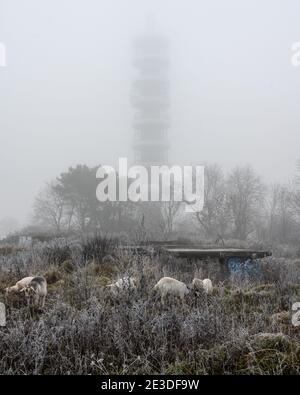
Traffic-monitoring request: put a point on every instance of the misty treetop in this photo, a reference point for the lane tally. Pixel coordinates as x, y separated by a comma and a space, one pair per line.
70, 203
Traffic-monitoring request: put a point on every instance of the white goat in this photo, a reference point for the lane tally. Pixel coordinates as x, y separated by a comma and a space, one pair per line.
125, 283
19, 285
36, 291
205, 285
171, 286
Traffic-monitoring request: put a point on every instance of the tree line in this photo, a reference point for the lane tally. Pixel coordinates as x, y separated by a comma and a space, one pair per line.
238, 205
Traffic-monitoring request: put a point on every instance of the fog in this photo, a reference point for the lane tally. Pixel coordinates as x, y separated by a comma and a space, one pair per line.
65, 92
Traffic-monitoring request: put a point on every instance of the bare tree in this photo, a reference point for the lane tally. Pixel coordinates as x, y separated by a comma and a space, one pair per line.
213, 218
280, 213
169, 211
244, 200
49, 208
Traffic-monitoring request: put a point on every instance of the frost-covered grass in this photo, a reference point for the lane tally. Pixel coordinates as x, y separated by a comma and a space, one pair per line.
243, 328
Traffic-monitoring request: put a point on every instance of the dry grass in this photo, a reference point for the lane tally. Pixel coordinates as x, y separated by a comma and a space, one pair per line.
243, 328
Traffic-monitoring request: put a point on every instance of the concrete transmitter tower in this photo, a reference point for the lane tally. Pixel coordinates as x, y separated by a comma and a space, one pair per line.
150, 98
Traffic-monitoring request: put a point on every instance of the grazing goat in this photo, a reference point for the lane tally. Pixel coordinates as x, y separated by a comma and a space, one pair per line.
19, 285
171, 286
36, 291
125, 283
205, 285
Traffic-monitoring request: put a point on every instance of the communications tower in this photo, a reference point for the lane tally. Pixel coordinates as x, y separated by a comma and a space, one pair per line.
151, 98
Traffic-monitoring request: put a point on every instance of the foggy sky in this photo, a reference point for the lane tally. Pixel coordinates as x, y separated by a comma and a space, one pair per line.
65, 93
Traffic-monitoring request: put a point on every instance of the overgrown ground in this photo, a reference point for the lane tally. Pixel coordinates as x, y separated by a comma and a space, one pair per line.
243, 328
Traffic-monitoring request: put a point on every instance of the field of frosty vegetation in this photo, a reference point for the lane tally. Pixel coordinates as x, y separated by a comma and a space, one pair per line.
243, 327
